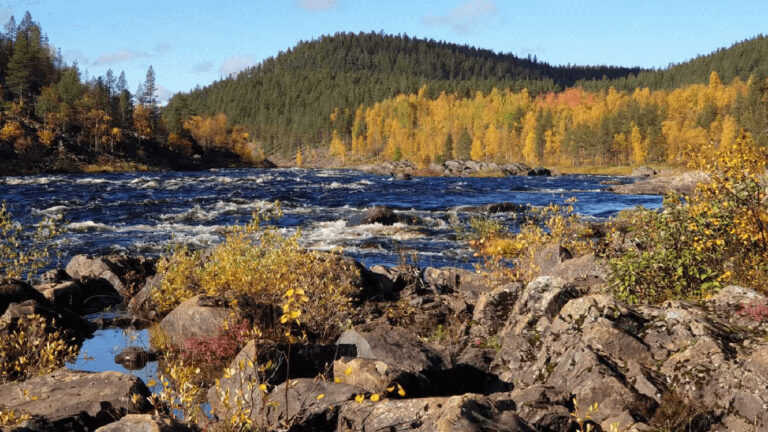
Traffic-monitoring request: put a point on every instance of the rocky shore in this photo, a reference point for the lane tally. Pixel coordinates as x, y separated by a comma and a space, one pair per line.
454, 168
470, 354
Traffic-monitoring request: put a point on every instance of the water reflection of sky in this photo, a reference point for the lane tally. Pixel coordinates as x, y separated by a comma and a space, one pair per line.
98, 354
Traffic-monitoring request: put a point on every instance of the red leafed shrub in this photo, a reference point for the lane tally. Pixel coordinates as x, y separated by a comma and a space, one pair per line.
756, 311
217, 350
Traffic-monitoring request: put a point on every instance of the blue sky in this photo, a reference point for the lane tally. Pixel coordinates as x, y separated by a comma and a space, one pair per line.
194, 42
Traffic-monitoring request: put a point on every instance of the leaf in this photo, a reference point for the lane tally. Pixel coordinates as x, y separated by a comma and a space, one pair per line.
360, 398
320, 396
375, 397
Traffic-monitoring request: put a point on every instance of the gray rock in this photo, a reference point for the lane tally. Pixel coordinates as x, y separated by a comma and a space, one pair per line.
643, 171
551, 256
685, 184
303, 407
145, 423
456, 279
74, 400
81, 266
395, 346
192, 318
66, 294
469, 412
135, 358
17, 291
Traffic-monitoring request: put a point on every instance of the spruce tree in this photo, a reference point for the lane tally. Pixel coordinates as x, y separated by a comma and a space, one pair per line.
464, 146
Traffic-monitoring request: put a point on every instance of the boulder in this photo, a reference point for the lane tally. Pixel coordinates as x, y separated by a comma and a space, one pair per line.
587, 268
125, 273
550, 256
309, 404
66, 294
382, 215
99, 294
72, 324
238, 386
643, 171
376, 376
196, 317
515, 169
469, 412
75, 400
145, 423
492, 309
84, 297
396, 346
387, 281
141, 303
81, 267
683, 183
55, 276
543, 407
402, 176
16, 291
135, 358
539, 171
448, 279
306, 361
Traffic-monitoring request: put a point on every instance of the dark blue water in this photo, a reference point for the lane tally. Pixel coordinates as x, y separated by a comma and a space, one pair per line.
143, 212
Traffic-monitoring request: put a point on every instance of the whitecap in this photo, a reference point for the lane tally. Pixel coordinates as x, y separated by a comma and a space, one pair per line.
50, 211
88, 226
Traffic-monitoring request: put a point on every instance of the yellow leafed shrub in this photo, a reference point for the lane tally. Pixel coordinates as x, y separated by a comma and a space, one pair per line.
554, 223
33, 348
257, 261
694, 246
25, 251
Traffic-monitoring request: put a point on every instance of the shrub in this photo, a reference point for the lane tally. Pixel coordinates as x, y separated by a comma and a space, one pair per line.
554, 223
259, 262
693, 246
23, 252
219, 350
757, 311
33, 348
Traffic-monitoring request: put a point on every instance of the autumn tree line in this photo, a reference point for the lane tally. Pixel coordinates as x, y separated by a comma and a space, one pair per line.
570, 128
47, 106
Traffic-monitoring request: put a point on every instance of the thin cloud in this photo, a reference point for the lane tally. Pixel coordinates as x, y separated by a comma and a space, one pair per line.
163, 94
236, 64
465, 17
317, 5
122, 56
205, 66
75, 55
162, 48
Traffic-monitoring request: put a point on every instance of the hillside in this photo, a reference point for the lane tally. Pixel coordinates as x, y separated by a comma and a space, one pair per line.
286, 100
740, 60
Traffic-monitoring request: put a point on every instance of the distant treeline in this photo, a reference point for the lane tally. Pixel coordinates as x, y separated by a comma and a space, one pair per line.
570, 128
286, 100
741, 60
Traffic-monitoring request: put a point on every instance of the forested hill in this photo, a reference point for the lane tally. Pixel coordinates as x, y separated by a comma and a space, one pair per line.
741, 60
286, 100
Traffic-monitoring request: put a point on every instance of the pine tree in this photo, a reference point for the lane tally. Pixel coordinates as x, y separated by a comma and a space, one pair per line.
464, 146
447, 149
19, 77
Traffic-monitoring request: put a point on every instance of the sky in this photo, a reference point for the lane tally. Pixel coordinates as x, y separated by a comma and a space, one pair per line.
195, 42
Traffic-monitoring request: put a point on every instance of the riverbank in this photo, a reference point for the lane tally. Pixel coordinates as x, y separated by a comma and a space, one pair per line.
442, 348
